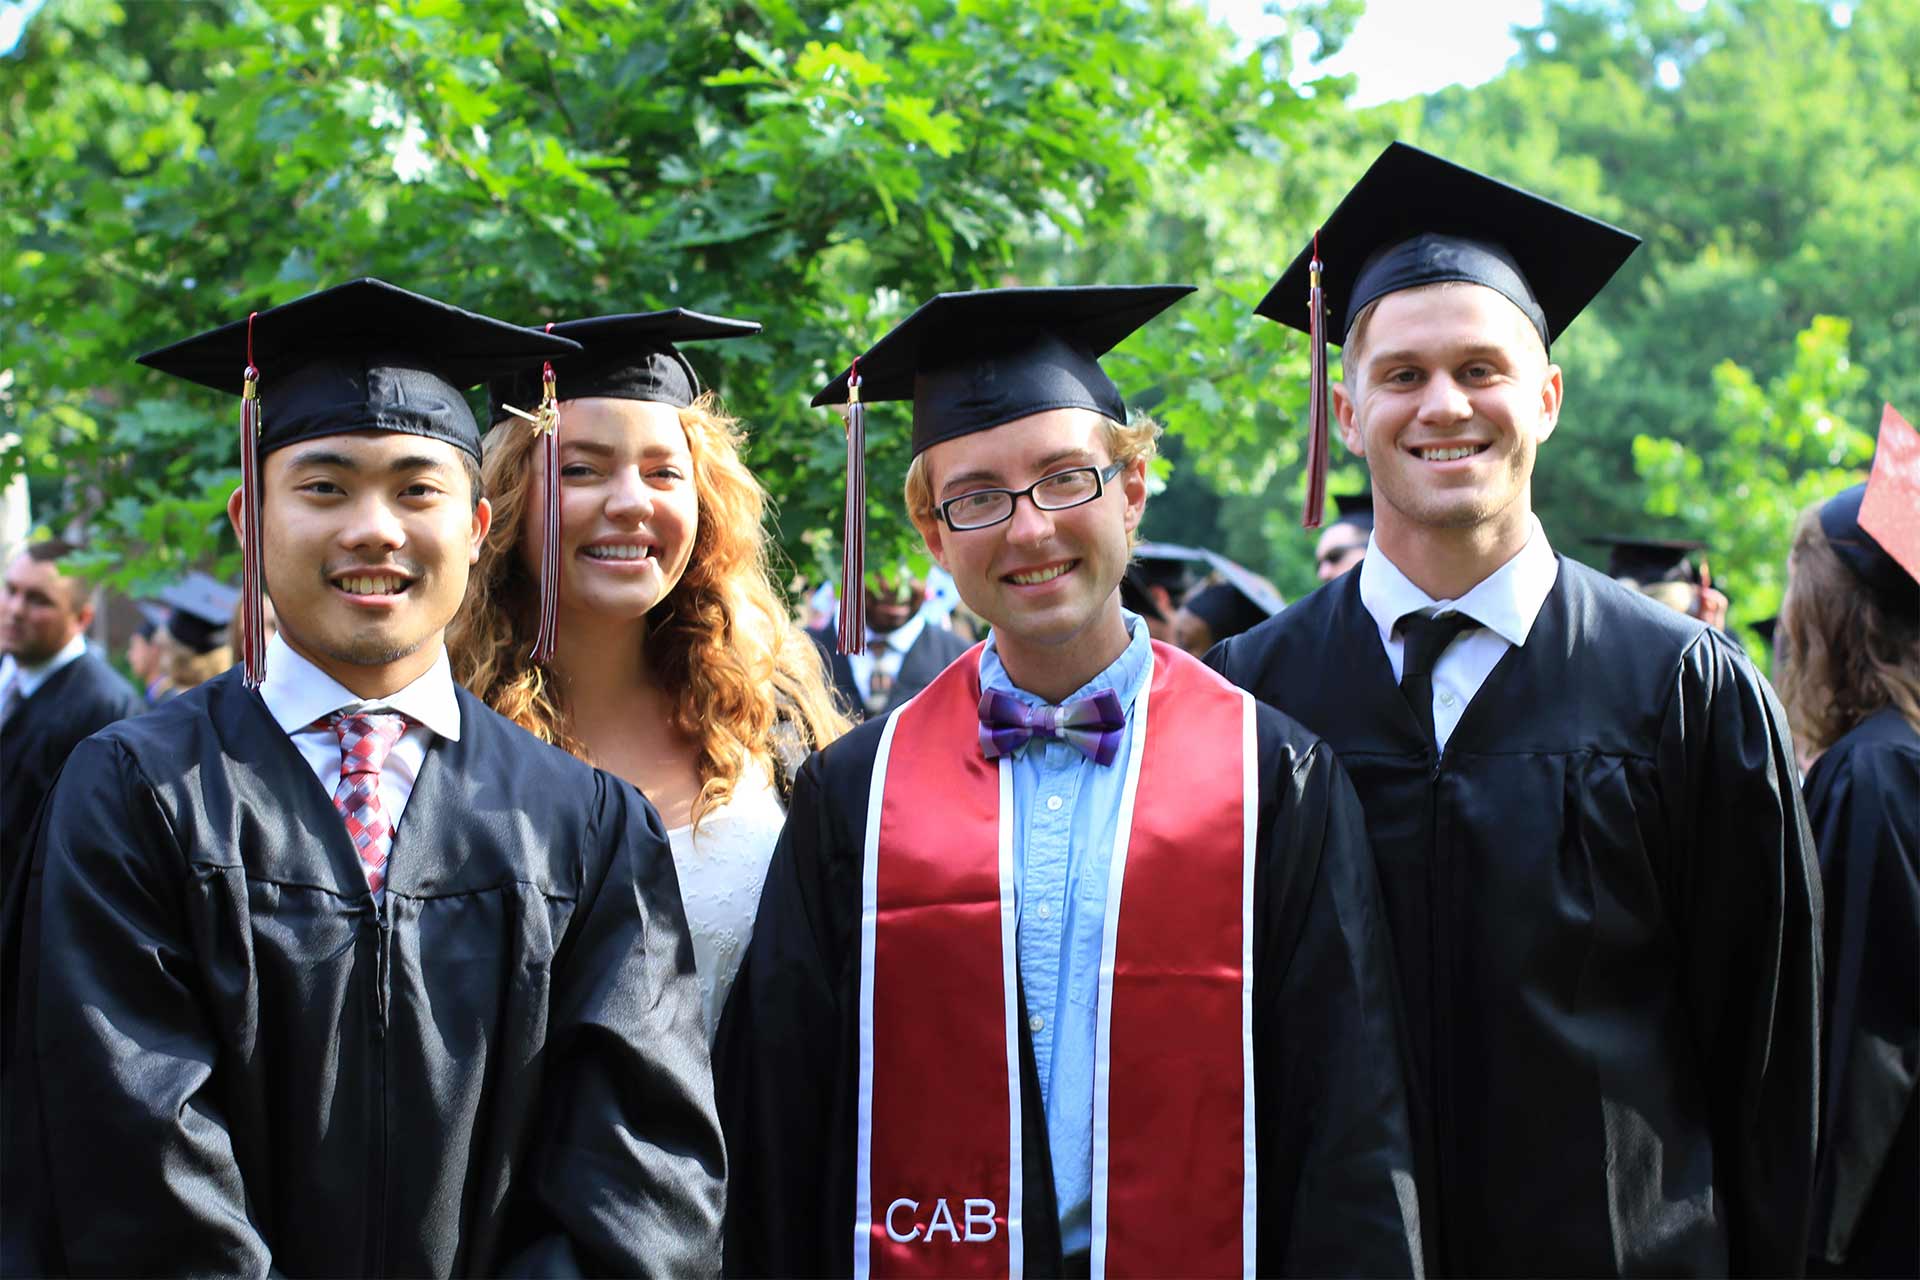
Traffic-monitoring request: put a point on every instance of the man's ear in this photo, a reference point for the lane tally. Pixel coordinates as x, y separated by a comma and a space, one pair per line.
482, 521
933, 533
1551, 392
1133, 482
233, 513
1345, 411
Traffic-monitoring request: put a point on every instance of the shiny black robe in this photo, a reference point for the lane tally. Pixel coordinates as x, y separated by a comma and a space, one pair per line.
1335, 1194
223, 1060
78, 700
1605, 905
1863, 798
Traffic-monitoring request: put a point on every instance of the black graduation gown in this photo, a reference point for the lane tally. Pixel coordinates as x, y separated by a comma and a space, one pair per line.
75, 702
1863, 798
1330, 1112
1605, 906
235, 1064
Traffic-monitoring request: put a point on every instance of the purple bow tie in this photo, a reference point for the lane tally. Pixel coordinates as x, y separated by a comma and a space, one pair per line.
1092, 724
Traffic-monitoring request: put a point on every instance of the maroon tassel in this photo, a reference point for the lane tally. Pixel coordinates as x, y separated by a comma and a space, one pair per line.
852, 635
547, 423
253, 614
1317, 394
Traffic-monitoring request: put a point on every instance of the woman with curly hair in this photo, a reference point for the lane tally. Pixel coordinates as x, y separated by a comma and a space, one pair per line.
667, 656
1850, 678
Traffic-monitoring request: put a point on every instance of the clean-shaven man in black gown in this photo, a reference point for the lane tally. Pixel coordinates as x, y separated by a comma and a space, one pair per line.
1601, 885
345, 974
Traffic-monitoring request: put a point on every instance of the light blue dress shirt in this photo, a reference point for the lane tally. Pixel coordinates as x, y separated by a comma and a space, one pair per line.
1066, 812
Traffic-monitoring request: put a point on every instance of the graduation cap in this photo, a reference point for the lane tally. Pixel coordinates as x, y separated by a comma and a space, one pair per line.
362, 356
1648, 560
1414, 219
1160, 564
202, 609
625, 357
978, 360
1355, 509
622, 357
1764, 628
1875, 527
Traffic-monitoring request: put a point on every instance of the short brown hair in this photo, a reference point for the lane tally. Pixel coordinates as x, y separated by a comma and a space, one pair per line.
1841, 656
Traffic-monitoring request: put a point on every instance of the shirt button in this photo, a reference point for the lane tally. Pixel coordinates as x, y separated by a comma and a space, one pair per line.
1036, 1023
1447, 700
1053, 804
1046, 912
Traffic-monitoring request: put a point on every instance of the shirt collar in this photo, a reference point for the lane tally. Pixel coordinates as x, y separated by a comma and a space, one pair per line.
1505, 602
901, 638
32, 677
1123, 676
298, 693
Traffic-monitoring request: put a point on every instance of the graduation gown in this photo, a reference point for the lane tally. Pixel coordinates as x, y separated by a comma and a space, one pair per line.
1329, 1112
75, 702
1863, 798
233, 1063
1605, 906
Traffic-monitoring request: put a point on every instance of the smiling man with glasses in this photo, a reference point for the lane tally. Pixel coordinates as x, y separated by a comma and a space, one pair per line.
952, 1049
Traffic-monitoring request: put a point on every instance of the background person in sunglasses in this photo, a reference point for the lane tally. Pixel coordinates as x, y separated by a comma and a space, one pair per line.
905, 648
952, 1050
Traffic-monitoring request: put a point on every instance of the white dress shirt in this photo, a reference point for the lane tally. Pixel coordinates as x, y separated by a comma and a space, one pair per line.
1505, 603
887, 650
300, 696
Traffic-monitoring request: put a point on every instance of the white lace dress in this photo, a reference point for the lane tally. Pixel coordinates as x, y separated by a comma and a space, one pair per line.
722, 867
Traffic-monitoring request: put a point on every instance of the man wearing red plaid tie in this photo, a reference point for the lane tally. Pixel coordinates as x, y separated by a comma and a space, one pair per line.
1074, 963
324, 968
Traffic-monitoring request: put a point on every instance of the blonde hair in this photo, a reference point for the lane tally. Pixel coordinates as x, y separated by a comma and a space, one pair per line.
1136, 441
1841, 657
722, 643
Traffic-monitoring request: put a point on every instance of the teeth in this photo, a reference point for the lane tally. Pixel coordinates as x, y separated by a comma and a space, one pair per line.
369, 586
1039, 575
618, 553
1449, 455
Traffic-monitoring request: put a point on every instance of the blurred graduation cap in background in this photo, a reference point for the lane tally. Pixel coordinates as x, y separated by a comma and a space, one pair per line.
1415, 219
1875, 527
201, 611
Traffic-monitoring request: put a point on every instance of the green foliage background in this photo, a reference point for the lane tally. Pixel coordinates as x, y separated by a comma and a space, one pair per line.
825, 167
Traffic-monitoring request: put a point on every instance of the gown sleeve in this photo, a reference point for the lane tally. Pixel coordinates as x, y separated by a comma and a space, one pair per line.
775, 1060
1865, 809
1335, 1144
1747, 913
140, 1159
628, 1173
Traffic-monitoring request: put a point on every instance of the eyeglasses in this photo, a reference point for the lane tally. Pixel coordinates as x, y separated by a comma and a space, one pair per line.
984, 508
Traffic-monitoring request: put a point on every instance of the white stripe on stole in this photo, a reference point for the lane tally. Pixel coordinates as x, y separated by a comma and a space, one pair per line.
1249, 847
1010, 985
1109, 931
869, 920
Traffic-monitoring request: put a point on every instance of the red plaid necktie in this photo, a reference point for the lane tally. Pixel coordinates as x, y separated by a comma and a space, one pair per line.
365, 740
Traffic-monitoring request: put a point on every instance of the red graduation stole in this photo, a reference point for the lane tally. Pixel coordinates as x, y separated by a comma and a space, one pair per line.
939, 1178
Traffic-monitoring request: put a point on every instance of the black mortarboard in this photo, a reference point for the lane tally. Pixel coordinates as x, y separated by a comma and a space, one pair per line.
362, 356
1355, 509
1764, 628
202, 611
1890, 585
972, 361
1650, 560
977, 360
1414, 219
626, 357
1160, 564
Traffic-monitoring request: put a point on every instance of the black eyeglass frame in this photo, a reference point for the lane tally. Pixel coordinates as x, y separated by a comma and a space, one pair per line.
1101, 479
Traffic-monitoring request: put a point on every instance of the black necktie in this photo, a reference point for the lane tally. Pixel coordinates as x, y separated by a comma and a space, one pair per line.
1426, 638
